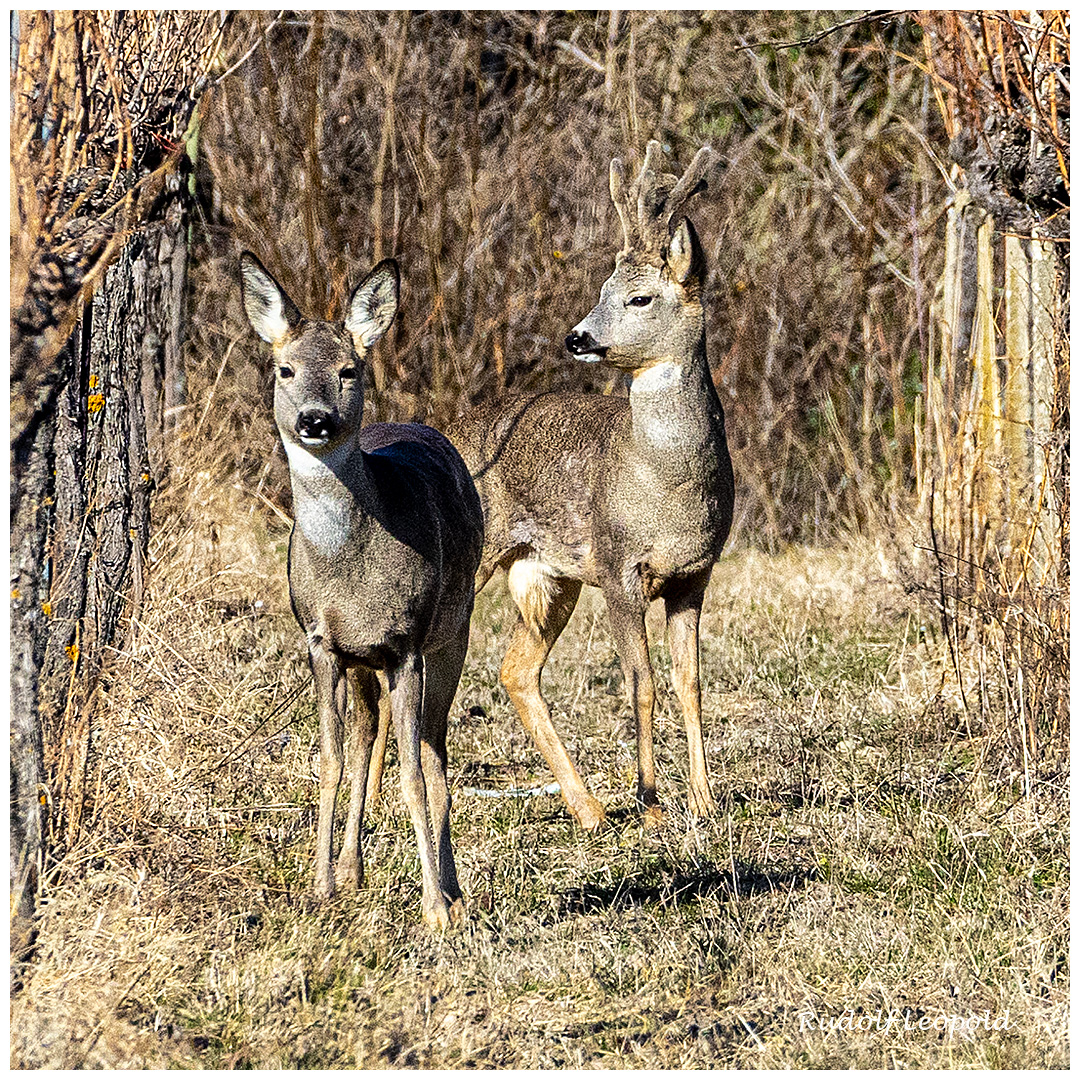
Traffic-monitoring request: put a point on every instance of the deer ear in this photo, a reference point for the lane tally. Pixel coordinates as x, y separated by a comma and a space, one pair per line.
680, 253
269, 310
373, 305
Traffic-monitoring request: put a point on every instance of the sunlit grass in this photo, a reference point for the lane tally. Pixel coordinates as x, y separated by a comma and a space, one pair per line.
871, 858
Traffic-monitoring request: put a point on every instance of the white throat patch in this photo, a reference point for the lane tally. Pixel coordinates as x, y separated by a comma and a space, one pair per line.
650, 395
322, 504
659, 377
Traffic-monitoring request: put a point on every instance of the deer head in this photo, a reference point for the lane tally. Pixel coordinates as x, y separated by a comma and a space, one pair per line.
650, 307
318, 380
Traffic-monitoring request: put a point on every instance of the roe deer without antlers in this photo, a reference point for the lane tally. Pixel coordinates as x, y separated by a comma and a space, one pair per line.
386, 543
634, 496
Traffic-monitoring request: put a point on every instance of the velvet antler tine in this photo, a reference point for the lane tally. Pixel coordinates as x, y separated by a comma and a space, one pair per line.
618, 197
654, 199
645, 193
692, 181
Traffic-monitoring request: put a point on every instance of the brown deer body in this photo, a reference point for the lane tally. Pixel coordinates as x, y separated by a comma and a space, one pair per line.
386, 542
634, 495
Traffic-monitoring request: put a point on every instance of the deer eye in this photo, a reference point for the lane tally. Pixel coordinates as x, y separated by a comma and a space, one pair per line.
285, 372
640, 301
349, 372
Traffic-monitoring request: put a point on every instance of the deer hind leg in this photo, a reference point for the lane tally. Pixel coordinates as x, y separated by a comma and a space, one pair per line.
378, 752
366, 725
545, 604
442, 672
378, 756
628, 628
407, 696
683, 618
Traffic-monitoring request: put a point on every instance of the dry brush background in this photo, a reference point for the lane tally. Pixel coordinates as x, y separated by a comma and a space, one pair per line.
885, 647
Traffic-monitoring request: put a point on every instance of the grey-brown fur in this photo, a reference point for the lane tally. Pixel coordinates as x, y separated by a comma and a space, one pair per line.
386, 543
633, 496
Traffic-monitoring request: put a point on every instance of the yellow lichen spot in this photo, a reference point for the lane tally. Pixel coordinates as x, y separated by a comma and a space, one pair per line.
15, 594
95, 403
46, 609
73, 652
93, 382
557, 254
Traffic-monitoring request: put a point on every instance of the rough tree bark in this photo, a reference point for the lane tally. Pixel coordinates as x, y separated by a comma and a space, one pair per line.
81, 485
30, 481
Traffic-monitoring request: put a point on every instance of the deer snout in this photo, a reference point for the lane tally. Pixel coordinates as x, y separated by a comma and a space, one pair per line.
584, 344
317, 426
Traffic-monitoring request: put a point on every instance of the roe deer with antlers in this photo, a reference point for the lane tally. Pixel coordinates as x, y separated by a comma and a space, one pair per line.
386, 543
634, 496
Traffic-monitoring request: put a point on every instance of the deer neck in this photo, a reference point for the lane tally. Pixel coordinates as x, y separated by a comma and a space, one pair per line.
673, 404
329, 490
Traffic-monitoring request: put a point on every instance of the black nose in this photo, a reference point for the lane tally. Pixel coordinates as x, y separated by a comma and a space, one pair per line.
581, 344
316, 424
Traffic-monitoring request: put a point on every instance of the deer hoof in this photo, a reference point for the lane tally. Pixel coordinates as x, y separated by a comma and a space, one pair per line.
437, 915
349, 876
701, 803
652, 817
457, 912
588, 813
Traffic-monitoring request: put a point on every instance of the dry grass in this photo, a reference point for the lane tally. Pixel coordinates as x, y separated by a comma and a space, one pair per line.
873, 851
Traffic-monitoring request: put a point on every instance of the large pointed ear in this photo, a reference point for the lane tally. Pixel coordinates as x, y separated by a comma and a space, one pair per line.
681, 263
373, 305
269, 309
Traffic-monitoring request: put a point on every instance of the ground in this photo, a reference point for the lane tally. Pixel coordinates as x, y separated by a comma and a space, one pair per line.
882, 884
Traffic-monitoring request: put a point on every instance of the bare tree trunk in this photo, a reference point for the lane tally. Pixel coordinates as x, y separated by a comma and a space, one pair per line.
81, 484
31, 476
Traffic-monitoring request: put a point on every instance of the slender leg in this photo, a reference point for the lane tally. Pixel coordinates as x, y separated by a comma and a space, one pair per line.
378, 752
628, 628
350, 864
330, 695
378, 757
521, 667
683, 617
407, 693
442, 672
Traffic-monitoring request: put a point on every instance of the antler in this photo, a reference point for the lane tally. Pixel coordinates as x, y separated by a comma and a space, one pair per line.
655, 199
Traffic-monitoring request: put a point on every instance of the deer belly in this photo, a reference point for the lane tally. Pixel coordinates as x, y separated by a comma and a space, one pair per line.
367, 618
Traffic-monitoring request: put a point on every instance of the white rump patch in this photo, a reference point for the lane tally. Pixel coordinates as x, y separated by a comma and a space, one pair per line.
532, 585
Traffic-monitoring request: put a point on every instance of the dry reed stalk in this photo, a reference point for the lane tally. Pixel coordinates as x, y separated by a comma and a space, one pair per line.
991, 440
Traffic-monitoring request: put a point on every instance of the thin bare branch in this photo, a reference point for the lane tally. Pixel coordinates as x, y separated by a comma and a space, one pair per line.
813, 39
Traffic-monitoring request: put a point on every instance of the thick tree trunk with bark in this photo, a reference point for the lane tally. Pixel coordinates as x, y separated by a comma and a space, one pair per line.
30, 483
81, 487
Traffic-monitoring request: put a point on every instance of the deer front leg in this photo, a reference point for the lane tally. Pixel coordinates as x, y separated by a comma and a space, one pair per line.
330, 696
442, 672
407, 696
628, 628
683, 619
366, 706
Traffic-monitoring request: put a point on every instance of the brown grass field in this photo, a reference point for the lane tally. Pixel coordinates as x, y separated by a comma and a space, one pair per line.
876, 891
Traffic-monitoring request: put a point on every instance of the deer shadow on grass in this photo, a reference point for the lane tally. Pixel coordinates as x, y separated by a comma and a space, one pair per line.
679, 887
